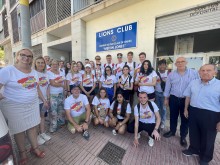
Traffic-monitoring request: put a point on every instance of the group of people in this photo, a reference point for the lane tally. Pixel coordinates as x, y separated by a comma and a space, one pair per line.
76, 94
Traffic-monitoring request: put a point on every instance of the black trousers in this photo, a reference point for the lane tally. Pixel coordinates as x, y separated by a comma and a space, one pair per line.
202, 132
148, 127
177, 105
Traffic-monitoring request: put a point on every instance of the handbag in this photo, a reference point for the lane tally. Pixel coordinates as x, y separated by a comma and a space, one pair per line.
162, 83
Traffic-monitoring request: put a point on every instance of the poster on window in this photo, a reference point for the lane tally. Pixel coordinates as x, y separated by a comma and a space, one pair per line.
120, 37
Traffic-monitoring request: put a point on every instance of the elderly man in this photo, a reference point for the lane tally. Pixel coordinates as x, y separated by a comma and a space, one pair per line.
177, 82
78, 112
204, 113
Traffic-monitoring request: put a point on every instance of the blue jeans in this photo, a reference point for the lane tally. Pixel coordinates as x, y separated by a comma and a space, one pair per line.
160, 103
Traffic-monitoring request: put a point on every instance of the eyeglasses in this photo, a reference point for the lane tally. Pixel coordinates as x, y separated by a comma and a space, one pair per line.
180, 62
26, 56
97, 59
119, 57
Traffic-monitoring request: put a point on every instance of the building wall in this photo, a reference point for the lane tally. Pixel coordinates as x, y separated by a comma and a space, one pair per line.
144, 13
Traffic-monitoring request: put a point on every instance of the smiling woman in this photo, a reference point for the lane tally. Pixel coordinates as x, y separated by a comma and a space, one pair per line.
19, 102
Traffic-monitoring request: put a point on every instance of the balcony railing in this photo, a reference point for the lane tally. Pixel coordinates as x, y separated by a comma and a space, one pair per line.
38, 22
79, 5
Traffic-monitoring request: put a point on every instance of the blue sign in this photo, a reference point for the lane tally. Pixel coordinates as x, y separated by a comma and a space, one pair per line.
117, 38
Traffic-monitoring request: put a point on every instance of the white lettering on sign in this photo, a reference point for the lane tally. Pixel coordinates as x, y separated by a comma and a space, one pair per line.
106, 33
124, 28
205, 9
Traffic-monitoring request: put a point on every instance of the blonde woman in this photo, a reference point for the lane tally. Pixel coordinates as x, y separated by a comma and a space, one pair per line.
57, 89
40, 67
88, 83
73, 78
19, 102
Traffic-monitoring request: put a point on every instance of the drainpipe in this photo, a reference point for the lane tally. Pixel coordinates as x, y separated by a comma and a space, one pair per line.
25, 23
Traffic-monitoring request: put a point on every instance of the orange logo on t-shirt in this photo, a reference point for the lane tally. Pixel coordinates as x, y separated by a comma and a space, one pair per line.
59, 79
28, 82
146, 115
87, 81
76, 106
144, 79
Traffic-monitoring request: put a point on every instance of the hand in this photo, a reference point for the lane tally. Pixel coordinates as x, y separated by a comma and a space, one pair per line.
156, 135
136, 143
218, 127
79, 128
186, 113
46, 105
1, 96
117, 127
85, 126
166, 102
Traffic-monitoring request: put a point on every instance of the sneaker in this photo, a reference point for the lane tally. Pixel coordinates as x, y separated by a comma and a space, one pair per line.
151, 142
45, 136
139, 135
114, 132
40, 140
86, 135
189, 153
162, 126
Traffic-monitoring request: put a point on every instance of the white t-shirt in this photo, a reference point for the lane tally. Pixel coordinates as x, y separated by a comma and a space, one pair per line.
76, 106
89, 80
118, 69
146, 115
164, 78
125, 81
18, 86
74, 79
128, 110
131, 66
82, 72
43, 84
146, 79
112, 65
98, 73
101, 103
109, 81
48, 67
137, 69
57, 77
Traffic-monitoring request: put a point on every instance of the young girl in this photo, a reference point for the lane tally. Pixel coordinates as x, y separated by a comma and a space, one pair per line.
125, 83
92, 67
40, 67
101, 105
147, 79
81, 67
120, 111
108, 81
88, 83
73, 78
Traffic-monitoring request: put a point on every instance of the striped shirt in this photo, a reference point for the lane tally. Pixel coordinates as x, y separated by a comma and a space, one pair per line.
177, 83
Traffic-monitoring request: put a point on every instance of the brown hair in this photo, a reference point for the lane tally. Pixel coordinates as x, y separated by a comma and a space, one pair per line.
38, 58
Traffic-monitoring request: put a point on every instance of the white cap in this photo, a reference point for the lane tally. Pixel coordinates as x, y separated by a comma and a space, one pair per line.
87, 65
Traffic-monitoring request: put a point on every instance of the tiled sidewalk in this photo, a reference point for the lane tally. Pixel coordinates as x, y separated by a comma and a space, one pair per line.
67, 149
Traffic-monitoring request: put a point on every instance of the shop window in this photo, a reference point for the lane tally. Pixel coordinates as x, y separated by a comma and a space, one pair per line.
207, 41
165, 46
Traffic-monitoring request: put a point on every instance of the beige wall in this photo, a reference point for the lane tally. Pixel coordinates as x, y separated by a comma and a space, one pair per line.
144, 13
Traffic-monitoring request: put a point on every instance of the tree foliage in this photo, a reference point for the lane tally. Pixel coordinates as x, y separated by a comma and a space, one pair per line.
2, 53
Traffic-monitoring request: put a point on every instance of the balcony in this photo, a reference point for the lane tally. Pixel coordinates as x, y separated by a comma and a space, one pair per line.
79, 5
38, 22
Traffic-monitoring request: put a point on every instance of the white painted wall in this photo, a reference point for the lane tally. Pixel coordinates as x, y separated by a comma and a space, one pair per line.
144, 13
56, 54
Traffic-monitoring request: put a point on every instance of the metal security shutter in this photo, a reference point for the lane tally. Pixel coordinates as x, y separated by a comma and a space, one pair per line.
201, 18
37, 50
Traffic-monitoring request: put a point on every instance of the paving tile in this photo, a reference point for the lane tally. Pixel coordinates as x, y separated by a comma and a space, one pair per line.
67, 149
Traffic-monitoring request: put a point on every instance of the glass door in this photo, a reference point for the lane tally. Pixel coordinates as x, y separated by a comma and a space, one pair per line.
214, 58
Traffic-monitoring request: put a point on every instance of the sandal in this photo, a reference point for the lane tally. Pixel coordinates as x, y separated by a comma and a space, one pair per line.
24, 160
40, 155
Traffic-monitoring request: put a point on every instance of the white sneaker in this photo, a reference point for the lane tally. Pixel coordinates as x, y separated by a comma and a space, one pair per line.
114, 132
162, 126
40, 140
151, 142
139, 135
45, 136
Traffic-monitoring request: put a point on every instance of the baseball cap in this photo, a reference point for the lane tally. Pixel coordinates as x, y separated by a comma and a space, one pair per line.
88, 65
